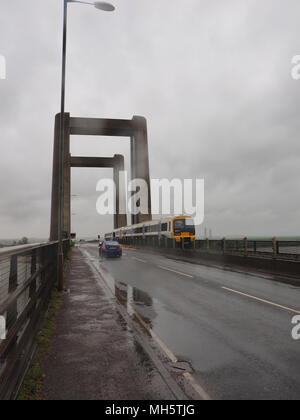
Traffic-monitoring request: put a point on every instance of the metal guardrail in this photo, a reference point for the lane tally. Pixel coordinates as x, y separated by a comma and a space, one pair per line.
27, 276
273, 248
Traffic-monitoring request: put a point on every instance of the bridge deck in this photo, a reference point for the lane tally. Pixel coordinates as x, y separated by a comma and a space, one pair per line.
151, 326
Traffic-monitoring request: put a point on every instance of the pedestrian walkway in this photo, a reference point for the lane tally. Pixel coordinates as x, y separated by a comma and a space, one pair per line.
94, 356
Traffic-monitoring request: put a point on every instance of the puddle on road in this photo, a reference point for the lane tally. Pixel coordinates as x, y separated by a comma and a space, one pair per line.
132, 298
169, 325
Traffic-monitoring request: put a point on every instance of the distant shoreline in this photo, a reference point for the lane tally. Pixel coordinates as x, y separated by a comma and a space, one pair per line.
10, 242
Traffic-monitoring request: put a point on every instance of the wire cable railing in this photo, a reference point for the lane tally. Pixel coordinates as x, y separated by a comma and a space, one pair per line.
27, 277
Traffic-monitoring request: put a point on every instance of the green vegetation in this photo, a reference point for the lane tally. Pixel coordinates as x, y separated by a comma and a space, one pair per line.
23, 241
32, 386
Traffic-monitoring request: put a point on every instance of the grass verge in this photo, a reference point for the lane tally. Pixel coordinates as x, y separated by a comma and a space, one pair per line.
32, 385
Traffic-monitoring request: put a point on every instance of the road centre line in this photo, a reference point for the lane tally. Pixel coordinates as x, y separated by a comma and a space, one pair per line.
174, 271
140, 260
262, 300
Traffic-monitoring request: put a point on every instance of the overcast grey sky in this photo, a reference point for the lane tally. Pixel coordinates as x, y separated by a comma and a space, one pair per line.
213, 78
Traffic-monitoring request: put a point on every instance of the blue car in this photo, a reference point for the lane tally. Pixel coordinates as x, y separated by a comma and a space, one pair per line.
110, 249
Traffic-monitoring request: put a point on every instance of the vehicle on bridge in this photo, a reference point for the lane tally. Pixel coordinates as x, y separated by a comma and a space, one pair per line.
110, 249
180, 228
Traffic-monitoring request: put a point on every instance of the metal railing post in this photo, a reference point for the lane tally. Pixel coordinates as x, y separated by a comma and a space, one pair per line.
246, 246
32, 288
207, 243
12, 313
224, 245
274, 246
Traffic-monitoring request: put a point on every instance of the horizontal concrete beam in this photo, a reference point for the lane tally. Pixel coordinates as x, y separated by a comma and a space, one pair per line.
92, 162
101, 127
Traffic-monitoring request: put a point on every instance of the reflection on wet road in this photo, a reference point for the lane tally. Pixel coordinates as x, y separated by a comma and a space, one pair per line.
239, 347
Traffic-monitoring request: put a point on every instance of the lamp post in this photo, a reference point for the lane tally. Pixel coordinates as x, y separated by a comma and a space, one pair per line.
105, 7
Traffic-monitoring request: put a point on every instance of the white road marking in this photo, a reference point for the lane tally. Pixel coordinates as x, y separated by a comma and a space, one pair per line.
198, 388
138, 259
167, 351
262, 300
176, 272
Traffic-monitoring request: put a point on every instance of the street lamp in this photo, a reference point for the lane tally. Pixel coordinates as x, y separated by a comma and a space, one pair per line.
105, 7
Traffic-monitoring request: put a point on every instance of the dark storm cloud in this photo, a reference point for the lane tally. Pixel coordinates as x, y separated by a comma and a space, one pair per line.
212, 77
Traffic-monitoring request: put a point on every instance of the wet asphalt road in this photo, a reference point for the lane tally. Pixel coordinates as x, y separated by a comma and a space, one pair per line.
234, 329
